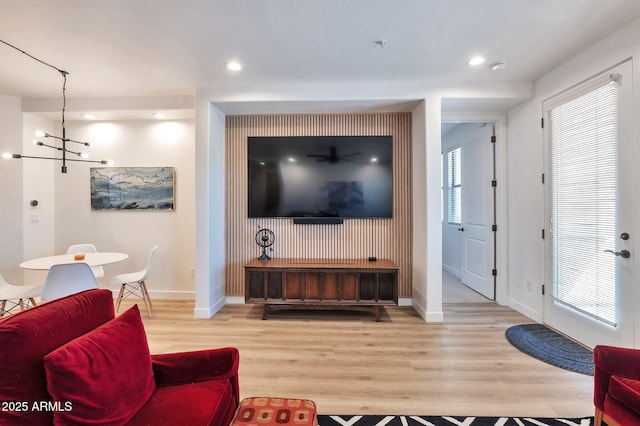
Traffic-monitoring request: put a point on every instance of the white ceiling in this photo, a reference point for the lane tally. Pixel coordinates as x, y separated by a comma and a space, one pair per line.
130, 48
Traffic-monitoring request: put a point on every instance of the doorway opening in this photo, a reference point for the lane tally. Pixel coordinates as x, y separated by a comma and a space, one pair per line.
469, 222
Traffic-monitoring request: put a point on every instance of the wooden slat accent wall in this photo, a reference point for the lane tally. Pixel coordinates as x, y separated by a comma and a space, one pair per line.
356, 238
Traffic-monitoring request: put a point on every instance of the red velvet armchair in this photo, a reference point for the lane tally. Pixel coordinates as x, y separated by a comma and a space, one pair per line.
616, 386
71, 361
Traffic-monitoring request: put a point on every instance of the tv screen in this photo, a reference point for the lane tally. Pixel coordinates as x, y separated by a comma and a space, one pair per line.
320, 176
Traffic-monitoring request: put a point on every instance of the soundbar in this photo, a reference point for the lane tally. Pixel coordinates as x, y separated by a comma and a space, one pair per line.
318, 220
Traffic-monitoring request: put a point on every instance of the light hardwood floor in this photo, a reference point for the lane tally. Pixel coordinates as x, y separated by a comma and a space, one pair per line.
349, 364
453, 291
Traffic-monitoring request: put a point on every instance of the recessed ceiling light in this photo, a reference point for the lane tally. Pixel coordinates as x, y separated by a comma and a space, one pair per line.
475, 61
234, 66
374, 160
498, 66
292, 160
159, 115
89, 116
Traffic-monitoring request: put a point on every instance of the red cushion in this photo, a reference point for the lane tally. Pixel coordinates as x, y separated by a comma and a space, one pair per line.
26, 337
619, 413
202, 403
106, 374
626, 391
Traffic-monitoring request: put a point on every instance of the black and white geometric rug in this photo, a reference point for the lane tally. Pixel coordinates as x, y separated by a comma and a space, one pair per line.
367, 420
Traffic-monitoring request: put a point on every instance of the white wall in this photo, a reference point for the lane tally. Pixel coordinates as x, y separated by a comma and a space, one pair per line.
133, 143
525, 163
427, 238
434, 209
38, 223
210, 212
11, 190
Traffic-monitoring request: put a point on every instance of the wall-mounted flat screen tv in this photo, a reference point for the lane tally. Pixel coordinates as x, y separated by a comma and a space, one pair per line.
320, 176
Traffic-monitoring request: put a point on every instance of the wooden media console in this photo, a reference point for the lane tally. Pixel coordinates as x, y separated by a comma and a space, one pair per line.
351, 284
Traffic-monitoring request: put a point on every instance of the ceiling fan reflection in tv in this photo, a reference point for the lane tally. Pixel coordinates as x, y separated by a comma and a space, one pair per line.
333, 156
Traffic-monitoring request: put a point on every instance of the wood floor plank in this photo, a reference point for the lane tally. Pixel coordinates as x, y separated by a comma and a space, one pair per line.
349, 364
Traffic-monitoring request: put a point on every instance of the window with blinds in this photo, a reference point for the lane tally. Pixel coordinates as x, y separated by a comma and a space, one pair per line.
583, 138
455, 186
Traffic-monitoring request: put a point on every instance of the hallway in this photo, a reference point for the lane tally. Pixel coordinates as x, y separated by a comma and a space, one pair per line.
453, 291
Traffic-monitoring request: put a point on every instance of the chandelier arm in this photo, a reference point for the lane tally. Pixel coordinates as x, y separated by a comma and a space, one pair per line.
60, 149
88, 161
58, 158
48, 146
78, 153
47, 135
79, 142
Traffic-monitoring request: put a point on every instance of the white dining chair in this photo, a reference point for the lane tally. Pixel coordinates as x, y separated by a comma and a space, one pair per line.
134, 284
87, 248
17, 295
69, 278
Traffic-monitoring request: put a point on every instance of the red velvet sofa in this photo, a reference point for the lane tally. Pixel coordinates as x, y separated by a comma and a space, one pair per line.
71, 361
616, 385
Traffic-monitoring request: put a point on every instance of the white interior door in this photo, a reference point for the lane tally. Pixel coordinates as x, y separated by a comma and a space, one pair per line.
477, 213
589, 248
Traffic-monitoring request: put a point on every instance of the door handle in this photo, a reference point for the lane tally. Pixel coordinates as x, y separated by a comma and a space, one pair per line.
461, 229
625, 254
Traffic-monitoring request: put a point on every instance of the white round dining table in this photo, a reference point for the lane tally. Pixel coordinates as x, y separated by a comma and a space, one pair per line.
91, 259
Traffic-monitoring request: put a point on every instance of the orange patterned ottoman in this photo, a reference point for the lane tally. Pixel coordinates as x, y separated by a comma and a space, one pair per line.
266, 411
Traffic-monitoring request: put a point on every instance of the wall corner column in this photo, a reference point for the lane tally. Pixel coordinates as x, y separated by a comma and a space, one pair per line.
427, 226
210, 201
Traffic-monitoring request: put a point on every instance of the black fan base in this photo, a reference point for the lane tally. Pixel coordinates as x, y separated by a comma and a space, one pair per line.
264, 256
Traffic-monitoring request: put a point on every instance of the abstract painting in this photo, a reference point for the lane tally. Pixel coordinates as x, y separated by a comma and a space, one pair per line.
132, 188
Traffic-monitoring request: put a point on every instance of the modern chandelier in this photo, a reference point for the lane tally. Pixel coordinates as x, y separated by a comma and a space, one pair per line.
59, 143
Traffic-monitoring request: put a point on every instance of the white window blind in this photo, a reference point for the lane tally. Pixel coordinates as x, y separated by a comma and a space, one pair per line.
442, 205
583, 137
455, 186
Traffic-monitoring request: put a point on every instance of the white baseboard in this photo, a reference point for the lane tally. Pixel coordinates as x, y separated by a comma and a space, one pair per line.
421, 310
173, 295
525, 310
206, 313
405, 301
203, 313
164, 295
435, 317
455, 273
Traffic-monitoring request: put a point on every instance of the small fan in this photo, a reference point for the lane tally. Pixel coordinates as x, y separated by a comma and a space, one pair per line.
265, 238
